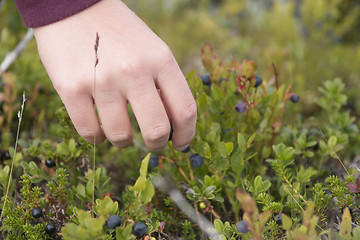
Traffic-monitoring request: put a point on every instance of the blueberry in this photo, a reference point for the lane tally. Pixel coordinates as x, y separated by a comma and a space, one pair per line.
37, 212
294, 98
205, 78
278, 219
50, 163
258, 81
196, 160
139, 229
240, 107
7, 155
227, 130
41, 89
50, 228
114, 222
186, 150
222, 80
242, 226
153, 161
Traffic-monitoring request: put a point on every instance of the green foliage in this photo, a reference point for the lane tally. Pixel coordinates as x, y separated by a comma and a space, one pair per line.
274, 159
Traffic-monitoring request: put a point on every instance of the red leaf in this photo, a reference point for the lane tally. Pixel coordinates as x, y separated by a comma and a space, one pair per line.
353, 188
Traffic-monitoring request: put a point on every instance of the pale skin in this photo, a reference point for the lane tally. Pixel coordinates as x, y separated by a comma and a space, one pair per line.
135, 67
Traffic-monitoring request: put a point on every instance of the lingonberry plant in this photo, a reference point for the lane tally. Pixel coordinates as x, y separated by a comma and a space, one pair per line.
256, 169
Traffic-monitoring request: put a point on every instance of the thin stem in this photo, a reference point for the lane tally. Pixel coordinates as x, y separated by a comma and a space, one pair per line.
94, 95
20, 114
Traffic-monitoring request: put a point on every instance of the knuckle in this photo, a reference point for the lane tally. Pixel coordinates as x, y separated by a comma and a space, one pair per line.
130, 68
166, 55
122, 139
72, 88
86, 133
157, 134
189, 113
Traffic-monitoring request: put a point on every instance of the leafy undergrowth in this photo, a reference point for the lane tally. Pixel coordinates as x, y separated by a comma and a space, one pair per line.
256, 169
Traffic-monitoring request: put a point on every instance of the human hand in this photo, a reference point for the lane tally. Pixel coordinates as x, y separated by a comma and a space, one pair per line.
135, 67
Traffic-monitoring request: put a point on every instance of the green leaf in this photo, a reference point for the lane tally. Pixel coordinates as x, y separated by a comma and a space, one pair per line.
147, 194
89, 188
241, 142
218, 225
265, 185
72, 146
282, 152
140, 184
203, 149
286, 222
332, 142
209, 190
257, 182
106, 206
62, 149
125, 233
229, 148
144, 165
222, 149
216, 92
80, 192
345, 225
356, 233
250, 140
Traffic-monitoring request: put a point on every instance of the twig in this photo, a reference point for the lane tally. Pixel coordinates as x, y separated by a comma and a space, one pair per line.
205, 225
14, 54
20, 114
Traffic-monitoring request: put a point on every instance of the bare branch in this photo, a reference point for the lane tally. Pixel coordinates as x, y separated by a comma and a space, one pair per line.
13, 55
175, 195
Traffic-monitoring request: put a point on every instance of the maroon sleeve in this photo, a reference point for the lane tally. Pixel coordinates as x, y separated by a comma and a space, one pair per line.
36, 13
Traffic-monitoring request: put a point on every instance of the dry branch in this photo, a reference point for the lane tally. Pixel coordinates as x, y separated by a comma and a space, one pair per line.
14, 54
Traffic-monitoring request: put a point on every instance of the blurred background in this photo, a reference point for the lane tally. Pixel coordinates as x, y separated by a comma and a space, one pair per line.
308, 41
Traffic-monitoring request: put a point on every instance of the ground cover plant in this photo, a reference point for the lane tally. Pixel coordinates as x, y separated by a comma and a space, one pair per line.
253, 171
259, 167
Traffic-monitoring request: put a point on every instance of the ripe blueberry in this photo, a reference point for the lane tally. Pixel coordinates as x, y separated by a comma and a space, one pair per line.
153, 161
222, 80
205, 78
37, 212
7, 155
278, 219
196, 160
294, 98
258, 81
186, 150
242, 226
139, 229
114, 222
50, 163
50, 228
240, 107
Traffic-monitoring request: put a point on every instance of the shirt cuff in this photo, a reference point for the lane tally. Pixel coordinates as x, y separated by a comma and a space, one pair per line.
37, 13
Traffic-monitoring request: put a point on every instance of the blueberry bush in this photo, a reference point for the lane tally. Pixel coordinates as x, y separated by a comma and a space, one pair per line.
261, 166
